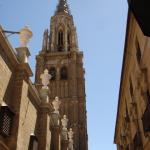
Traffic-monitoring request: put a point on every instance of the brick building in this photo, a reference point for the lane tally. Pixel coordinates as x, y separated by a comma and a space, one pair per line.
133, 117
30, 115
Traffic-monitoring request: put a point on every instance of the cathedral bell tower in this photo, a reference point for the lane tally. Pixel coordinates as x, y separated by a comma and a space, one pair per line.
61, 56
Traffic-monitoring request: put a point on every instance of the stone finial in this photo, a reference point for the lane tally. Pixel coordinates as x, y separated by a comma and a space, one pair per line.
56, 103
25, 36
64, 122
70, 136
45, 77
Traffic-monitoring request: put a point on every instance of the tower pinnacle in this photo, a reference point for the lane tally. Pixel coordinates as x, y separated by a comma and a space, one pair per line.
62, 7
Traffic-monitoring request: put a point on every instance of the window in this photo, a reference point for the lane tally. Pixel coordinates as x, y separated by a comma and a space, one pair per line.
131, 88
146, 115
127, 118
137, 142
138, 53
33, 144
148, 97
52, 72
6, 119
146, 119
60, 40
64, 73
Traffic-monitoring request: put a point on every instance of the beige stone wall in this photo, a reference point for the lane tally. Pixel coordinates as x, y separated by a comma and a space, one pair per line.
5, 74
27, 122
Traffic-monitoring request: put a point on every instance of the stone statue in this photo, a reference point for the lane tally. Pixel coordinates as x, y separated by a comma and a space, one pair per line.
56, 103
25, 36
70, 135
64, 122
64, 132
45, 77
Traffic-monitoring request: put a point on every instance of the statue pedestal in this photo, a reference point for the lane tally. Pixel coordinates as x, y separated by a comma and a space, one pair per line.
64, 145
44, 92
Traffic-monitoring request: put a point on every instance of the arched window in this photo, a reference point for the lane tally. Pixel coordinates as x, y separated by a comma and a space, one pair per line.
52, 72
60, 40
64, 73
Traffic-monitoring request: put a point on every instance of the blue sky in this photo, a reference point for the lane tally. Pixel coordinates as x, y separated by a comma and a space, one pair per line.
101, 28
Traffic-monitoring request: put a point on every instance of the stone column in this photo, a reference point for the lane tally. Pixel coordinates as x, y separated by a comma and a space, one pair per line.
20, 87
64, 133
55, 125
64, 144
44, 114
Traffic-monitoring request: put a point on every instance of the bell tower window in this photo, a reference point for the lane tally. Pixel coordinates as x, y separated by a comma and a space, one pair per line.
60, 40
64, 73
52, 72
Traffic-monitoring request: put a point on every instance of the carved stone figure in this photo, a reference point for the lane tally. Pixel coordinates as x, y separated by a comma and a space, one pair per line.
56, 103
64, 122
70, 136
45, 77
64, 132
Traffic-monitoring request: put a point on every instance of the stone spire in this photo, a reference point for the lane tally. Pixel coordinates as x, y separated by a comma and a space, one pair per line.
62, 7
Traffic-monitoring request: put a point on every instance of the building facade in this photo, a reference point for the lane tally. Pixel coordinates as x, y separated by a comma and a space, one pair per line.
133, 117
49, 114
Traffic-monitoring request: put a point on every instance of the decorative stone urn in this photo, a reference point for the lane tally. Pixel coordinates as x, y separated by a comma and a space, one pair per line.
25, 36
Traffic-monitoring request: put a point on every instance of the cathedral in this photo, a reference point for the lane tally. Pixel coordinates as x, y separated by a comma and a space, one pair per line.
49, 114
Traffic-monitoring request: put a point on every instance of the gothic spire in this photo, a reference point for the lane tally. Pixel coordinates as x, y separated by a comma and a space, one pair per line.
62, 7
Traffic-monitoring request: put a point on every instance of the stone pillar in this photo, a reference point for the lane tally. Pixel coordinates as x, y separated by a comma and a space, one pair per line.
44, 133
20, 89
55, 141
44, 114
64, 144
55, 125
64, 133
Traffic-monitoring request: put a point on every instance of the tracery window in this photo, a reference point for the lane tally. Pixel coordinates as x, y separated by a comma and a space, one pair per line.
64, 73
60, 40
52, 72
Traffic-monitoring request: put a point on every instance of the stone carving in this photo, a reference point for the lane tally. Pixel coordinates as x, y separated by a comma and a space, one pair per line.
56, 103
45, 77
45, 40
70, 135
64, 123
25, 36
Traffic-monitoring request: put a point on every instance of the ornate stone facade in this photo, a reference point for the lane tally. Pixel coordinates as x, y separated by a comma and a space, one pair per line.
133, 117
